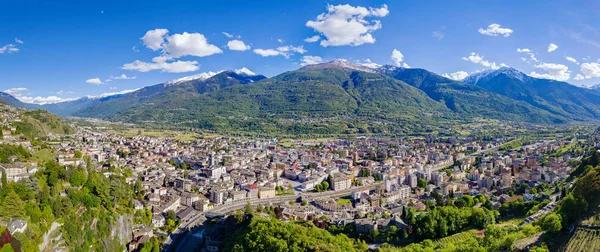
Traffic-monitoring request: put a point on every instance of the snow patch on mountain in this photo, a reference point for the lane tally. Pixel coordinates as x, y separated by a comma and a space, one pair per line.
200, 76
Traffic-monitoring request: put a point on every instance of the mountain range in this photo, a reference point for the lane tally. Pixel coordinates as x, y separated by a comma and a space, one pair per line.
337, 97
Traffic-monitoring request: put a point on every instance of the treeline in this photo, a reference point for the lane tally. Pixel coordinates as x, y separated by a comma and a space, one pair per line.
85, 202
585, 192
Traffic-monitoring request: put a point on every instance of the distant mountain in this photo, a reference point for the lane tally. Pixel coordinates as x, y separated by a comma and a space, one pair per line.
470, 100
315, 92
557, 97
170, 93
11, 100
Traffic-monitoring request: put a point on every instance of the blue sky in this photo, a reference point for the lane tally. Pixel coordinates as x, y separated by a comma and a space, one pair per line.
51, 51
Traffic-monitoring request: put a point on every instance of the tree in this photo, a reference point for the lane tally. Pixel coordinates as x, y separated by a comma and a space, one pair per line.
551, 223
325, 186
12, 206
4, 179
78, 154
422, 183
78, 177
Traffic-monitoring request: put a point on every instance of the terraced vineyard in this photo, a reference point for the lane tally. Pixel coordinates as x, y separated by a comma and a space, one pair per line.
455, 238
584, 239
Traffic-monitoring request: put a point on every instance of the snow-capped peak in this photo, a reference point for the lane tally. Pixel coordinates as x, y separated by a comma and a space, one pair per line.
491, 73
245, 71
104, 95
200, 76
342, 63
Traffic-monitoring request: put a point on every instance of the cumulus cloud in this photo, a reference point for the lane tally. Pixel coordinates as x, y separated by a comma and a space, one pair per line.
22, 95
158, 63
18, 41
437, 34
460, 75
227, 35
10, 48
344, 25
173, 47
188, 44
552, 47
312, 39
135, 49
572, 59
285, 51
153, 39
368, 63
552, 71
579, 77
310, 60
237, 45
495, 30
590, 70
94, 81
398, 59
528, 52
478, 59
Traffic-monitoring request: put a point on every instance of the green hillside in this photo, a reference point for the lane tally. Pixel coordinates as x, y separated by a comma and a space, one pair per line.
472, 101
39, 123
318, 100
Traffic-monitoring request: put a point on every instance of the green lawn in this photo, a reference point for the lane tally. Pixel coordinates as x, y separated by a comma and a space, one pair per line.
43, 155
343, 201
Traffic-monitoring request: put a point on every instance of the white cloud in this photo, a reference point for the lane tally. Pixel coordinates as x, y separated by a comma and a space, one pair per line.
478, 59
460, 75
153, 39
368, 63
398, 59
495, 30
590, 69
280, 41
528, 52
43, 100
347, 25
552, 47
157, 63
310, 60
123, 77
285, 51
579, 77
173, 47
188, 44
20, 94
15, 91
135, 49
94, 81
10, 48
267, 52
237, 45
438, 34
552, 71
312, 39
572, 59
179, 45
227, 35
18, 41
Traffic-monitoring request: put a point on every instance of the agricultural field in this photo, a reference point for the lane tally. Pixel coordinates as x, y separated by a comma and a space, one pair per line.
455, 238
584, 239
